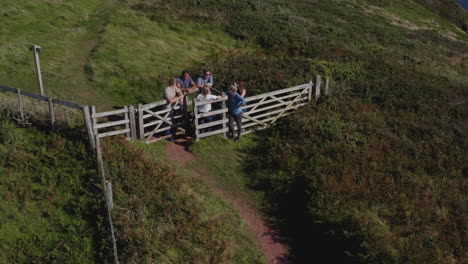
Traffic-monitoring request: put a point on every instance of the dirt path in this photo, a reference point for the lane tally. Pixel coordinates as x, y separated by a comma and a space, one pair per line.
267, 239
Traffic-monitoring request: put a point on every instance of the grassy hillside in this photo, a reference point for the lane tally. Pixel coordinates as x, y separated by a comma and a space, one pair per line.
50, 199
166, 216
53, 211
376, 172
101, 52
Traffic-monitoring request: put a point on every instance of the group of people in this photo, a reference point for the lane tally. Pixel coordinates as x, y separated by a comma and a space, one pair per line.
179, 87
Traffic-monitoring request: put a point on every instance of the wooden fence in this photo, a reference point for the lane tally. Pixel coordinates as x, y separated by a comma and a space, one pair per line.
154, 121
113, 123
52, 111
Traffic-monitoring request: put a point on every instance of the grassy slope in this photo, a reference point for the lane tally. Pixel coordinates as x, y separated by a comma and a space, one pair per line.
411, 81
136, 56
50, 199
101, 52
52, 206
65, 30
367, 170
167, 216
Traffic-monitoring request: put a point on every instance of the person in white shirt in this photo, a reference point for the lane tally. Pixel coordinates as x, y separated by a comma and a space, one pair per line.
203, 97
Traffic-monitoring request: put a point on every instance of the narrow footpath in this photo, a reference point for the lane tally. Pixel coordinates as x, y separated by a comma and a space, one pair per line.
267, 239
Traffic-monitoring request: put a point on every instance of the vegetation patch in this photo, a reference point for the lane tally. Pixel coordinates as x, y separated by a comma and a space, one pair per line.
51, 203
165, 217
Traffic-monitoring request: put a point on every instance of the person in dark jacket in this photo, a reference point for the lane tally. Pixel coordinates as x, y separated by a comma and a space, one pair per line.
235, 102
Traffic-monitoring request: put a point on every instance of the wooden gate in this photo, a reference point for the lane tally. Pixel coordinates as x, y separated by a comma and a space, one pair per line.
263, 110
156, 120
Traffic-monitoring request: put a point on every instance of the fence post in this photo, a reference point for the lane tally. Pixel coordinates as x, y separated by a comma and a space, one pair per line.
309, 97
51, 112
20, 105
127, 125
131, 112
36, 49
318, 82
195, 119
141, 128
103, 175
95, 130
108, 193
223, 105
327, 81
89, 126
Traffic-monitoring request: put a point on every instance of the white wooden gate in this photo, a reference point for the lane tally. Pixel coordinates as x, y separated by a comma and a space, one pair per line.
155, 120
265, 109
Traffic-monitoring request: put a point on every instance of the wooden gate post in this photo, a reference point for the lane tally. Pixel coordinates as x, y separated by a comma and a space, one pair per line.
94, 122
52, 114
141, 127
89, 126
108, 194
195, 118
318, 82
327, 81
309, 97
127, 125
223, 105
131, 112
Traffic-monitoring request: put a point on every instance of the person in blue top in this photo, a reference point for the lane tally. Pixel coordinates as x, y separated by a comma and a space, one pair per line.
235, 101
185, 83
205, 80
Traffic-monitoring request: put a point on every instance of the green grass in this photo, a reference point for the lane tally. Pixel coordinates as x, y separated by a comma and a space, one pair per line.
164, 214
63, 30
377, 173
222, 160
50, 199
136, 56
52, 207
102, 52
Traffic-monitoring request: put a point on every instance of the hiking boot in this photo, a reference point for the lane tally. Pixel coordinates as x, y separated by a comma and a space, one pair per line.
236, 139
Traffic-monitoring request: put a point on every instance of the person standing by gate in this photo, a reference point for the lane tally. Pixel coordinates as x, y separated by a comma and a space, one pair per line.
185, 83
206, 79
172, 94
235, 101
204, 97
